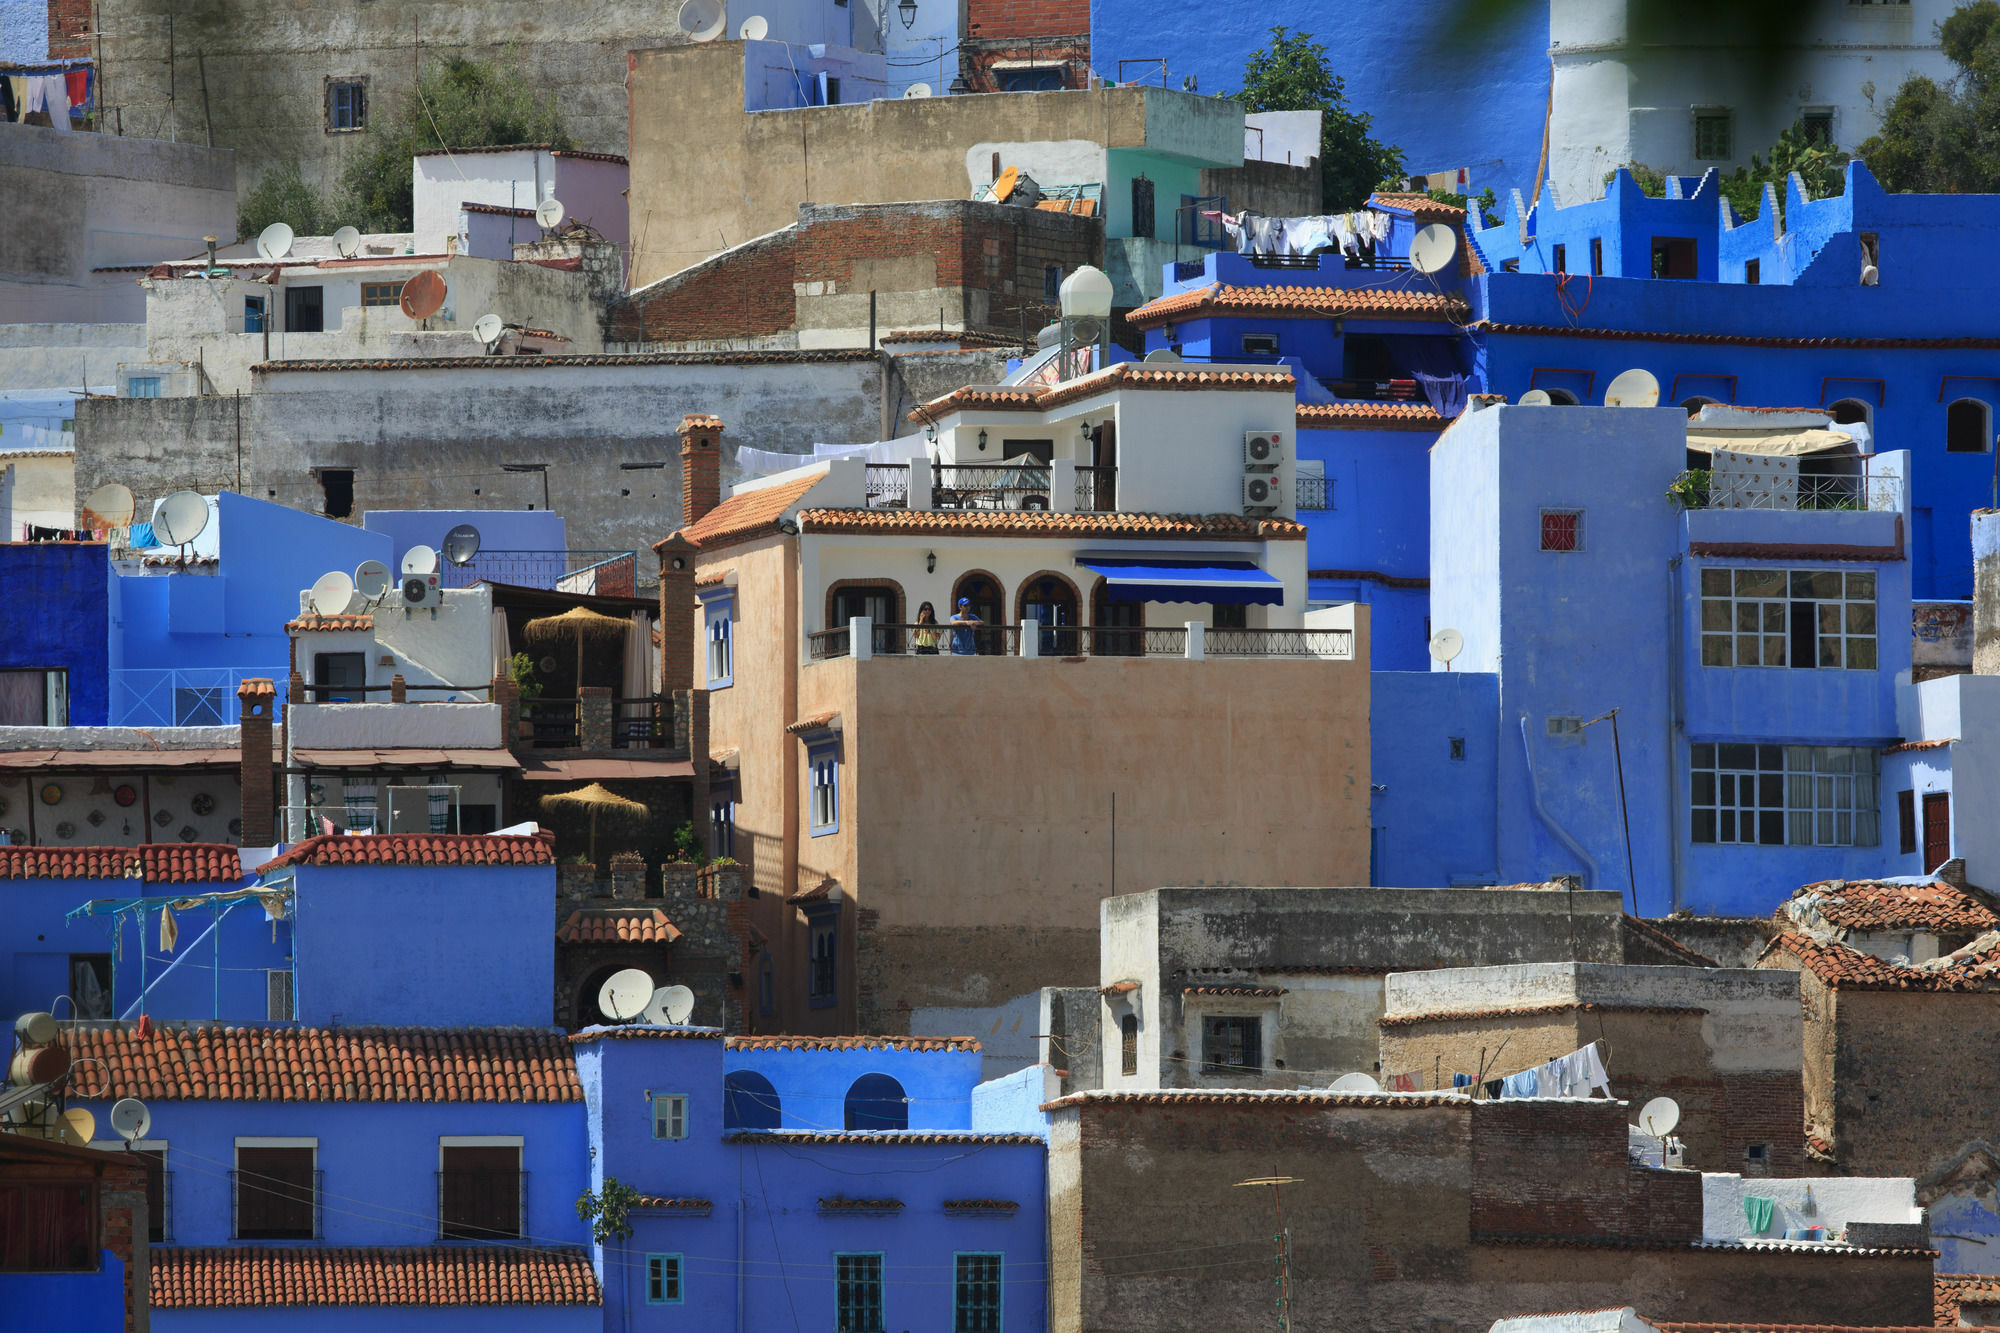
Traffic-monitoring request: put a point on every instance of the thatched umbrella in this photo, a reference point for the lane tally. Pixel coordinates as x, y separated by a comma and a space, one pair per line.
598, 800
577, 623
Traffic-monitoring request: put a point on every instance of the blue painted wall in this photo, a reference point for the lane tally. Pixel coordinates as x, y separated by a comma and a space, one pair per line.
86, 1302
444, 946
1414, 67
813, 1084
55, 615
1412, 718
377, 1318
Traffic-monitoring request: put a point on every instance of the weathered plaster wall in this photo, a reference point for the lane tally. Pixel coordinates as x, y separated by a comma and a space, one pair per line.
68, 356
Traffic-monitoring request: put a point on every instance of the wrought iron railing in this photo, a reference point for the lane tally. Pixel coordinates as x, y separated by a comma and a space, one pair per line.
989, 486
888, 485
1865, 489
1096, 489
268, 1207
442, 808
553, 724
482, 1205
187, 697
642, 724
1314, 493
1328, 643
609, 573
824, 643
948, 640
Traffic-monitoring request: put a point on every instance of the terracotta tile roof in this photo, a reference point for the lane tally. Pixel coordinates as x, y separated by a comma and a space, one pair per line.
1949, 1291
948, 336
1792, 551
1661, 940
1842, 968
1907, 746
702, 1206
617, 925
750, 513
898, 1138
419, 1275
329, 624
1124, 375
1236, 992
496, 208
1418, 203
1735, 339
644, 1032
1820, 1147
1223, 299
826, 721
713, 580
1871, 905
1529, 1010
1045, 523
154, 863
852, 1043
828, 356
841, 1204
1281, 1100
1367, 416
981, 1206
1825, 1249
420, 849
819, 892
257, 688
699, 421
363, 1064
1118, 988
550, 149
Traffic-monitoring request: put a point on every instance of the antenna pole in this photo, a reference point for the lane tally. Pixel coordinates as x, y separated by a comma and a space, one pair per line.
1624, 812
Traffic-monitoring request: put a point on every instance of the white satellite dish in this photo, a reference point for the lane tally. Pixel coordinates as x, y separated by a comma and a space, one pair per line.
79, 1126
1163, 356
549, 213
625, 995
1659, 1116
275, 241
679, 1002
347, 240
1433, 247
130, 1119
419, 560
702, 20
917, 90
110, 504
656, 1010
331, 594
1447, 644
490, 327
1633, 388
1870, 275
756, 28
181, 518
461, 544
1355, 1083
1536, 398
371, 580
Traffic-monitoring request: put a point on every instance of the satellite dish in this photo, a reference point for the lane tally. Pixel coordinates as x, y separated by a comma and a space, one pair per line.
1447, 644
490, 327
1163, 355
625, 995
461, 544
130, 1119
1003, 185
331, 594
78, 1126
1870, 275
347, 240
181, 518
1633, 388
679, 1002
419, 560
1659, 1116
1355, 1083
756, 28
275, 241
702, 20
917, 90
423, 295
1433, 247
549, 213
1536, 398
110, 506
371, 580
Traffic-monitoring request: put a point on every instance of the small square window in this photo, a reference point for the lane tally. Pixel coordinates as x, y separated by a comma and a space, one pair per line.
857, 1293
381, 293
1260, 344
670, 1115
1458, 747
143, 386
1757, 1152
1051, 282
1713, 135
1232, 1045
1817, 125
253, 314
1561, 262
346, 105
1753, 271
1562, 529
663, 1279
1563, 724
1510, 266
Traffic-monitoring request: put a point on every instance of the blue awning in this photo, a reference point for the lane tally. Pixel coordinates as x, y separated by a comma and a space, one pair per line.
1233, 583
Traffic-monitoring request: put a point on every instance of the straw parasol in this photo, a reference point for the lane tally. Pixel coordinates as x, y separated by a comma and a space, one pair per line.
577, 623
598, 800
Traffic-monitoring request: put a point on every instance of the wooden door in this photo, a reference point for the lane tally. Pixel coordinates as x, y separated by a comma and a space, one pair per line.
1937, 830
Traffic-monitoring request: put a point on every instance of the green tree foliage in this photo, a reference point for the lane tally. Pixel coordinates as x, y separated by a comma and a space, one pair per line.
1820, 166
283, 194
1945, 138
606, 1211
1294, 74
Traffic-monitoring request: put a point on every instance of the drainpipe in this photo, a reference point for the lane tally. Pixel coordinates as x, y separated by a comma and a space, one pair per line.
1548, 820
1677, 780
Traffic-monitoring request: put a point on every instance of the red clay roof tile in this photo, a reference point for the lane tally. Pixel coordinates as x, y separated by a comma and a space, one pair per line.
1042, 523
1188, 1098
154, 863
1124, 375
1869, 905
1418, 203
617, 925
1530, 1010
1842, 968
1907, 746
1237, 992
428, 1276
751, 513
1367, 416
235, 1064
419, 849
1661, 940
851, 1043
674, 1205
892, 1138
645, 1032
341, 624
1223, 299
1950, 1290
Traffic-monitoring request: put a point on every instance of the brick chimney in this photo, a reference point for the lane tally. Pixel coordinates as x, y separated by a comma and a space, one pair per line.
701, 466
257, 700
1986, 592
676, 621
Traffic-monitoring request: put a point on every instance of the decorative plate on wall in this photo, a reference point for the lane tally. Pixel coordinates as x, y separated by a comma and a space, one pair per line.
19, 837
95, 817
51, 793
202, 804
163, 817
125, 795
189, 833
235, 828
65, 830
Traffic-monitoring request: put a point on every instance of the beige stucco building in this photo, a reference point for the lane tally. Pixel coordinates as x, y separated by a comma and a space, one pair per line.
932, 816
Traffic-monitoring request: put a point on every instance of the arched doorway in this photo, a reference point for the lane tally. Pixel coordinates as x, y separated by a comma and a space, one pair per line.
750, 1102
987, 604
876, 1101
1852, 412
1049, 600
1107, 614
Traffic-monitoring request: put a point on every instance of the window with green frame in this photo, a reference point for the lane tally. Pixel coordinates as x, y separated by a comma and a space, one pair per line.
663, 1279
976, 1294
857, 1293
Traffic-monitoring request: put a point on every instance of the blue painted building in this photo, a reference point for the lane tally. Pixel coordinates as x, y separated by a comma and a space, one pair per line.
54, 663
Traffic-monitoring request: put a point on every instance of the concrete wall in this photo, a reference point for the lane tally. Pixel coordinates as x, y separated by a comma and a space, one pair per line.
1830, 1202
68, 357
37, 489
98, 199
57, 618
812, 1084
591, 190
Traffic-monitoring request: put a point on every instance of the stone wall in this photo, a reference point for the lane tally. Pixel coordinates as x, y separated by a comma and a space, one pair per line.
1908, 1087
712, 956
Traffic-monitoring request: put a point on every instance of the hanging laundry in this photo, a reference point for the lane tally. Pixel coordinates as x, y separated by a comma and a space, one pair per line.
7, 103
1493, 1087
1547, 1083
1461, 1080
1523, 1084
55, 100
1403, 1083
170, 930
78, 81
35, 94
1758, 1212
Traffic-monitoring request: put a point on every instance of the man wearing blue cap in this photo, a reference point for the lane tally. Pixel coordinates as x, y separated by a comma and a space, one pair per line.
962, 622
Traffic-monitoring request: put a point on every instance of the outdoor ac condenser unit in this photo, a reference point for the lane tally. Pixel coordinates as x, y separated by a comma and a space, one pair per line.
1263, 450
1260, 493
421, 590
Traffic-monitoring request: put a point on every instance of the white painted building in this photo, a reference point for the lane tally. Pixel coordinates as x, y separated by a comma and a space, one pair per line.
482, 201
1706, 99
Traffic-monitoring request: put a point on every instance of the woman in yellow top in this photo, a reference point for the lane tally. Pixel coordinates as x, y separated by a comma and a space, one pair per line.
927, 635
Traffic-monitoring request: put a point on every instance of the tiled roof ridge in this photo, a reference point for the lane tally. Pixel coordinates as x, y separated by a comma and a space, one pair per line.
500, 209
841, 1203
1125, 375
680, 1204
1049, 523
232, 1277
863, 1043
1841, 967
818, 356
751, 513
333, 624
523, 148
617, 925
1259, 1097
151, 863
1243, 992
883, 1138
1905, 747
419, 849
1367, 416
981, 1205
644, 1032
1869, 905
1668, 942
1309, 301
1528, 1010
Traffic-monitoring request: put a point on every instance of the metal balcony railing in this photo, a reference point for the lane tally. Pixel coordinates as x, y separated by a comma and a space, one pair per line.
1096, 490
1314, 493
1336, 644
186, 697
608, 573
553, 723
1050, 640
1866, 489
888, 485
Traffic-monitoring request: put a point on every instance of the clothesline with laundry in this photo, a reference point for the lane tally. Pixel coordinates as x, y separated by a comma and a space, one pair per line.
56, 94
1576, 1074
1256, 234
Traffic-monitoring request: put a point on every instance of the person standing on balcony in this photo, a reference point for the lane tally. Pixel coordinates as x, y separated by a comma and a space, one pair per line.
962, 622
927, 633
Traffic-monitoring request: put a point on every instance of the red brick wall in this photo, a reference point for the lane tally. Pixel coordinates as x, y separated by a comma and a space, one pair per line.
747, 294
1028, 18
69, 20
1545, 1168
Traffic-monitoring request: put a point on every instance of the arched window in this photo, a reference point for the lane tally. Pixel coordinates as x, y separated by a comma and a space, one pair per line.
750, 1102
1968, 427
1562, 398
876, 1101
1050, 600
1693, 406
1852, 411
988, 605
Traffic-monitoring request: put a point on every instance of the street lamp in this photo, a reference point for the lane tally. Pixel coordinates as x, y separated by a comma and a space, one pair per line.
1085, 301
908, 10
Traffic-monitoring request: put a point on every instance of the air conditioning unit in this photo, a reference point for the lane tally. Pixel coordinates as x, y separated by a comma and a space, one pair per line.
1260, 493
421, 590
1263, 450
